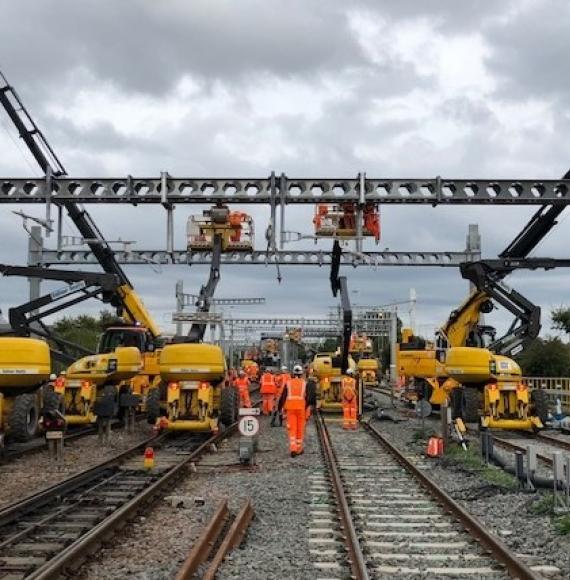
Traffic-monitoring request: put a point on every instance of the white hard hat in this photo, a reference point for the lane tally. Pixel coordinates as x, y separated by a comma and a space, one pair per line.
349, 371
298, 369
283, 368
52, 377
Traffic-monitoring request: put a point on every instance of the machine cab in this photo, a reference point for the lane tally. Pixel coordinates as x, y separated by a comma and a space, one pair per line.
116, 336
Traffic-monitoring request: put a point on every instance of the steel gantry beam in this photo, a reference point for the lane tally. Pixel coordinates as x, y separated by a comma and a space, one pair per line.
167, 190
364, 324
257, 322
293, 258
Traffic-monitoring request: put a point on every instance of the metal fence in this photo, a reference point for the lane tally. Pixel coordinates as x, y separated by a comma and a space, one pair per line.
554, 387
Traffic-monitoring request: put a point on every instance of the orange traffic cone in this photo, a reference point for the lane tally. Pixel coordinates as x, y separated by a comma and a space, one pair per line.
435, 447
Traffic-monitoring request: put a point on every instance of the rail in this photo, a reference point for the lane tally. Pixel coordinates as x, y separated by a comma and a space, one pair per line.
498, 549
540, 437
211, 535
357, 560
92, 481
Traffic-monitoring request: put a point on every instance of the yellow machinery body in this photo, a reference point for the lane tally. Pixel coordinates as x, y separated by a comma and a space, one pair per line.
424, 365
136, 314
234, 227
194, 374
506, 401
270, 345
368, 369
251, 369
428, 365
25, 365
329, 381
88, 377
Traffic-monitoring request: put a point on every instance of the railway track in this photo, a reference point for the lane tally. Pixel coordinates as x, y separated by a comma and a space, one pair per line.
394, 521
53, 531
213, 535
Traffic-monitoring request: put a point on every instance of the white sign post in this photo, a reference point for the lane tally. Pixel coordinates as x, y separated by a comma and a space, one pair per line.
248, 427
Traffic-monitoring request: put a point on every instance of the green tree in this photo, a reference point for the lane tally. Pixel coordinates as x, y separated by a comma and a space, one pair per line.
549, 357
328, 345
561, 319
84, 329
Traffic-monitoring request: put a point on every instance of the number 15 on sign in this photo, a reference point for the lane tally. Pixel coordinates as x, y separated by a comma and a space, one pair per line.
248, 426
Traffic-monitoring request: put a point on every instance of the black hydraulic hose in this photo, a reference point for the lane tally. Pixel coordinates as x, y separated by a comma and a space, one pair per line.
537, 481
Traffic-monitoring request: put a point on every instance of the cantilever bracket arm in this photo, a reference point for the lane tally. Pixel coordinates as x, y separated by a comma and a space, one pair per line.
335, 267
198, 329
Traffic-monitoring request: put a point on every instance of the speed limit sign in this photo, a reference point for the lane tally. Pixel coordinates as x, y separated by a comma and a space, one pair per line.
248, 426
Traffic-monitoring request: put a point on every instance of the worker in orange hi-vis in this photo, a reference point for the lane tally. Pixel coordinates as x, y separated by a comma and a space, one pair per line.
242, 385
295, 399
268, 391
349, 401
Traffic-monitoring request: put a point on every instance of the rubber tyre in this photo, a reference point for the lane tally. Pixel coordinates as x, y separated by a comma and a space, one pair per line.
540, 405
465, 403
53, 402
152, 405
110, 392
228, 406
471, 402
425, 390
456, 400
24, 418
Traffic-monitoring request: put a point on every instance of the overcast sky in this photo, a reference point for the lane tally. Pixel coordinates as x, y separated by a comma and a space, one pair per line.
309, 87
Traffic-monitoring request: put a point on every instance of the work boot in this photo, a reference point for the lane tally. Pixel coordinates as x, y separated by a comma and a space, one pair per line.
293, 453
272, 421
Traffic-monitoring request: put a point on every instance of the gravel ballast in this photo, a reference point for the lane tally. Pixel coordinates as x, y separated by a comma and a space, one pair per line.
507, 512
276, 545
29, 474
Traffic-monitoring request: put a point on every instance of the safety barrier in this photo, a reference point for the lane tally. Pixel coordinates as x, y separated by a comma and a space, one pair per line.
554, 387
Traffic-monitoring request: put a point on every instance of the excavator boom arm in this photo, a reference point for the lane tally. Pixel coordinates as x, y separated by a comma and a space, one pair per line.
339, 284
130, 304
198, 329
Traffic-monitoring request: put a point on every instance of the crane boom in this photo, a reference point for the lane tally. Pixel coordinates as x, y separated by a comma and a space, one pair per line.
339, 284
130, 306
463, 325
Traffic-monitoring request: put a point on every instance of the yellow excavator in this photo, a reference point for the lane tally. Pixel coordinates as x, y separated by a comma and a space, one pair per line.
467, 364
83, 385
330, 367
361, 350
25, 367
194, 394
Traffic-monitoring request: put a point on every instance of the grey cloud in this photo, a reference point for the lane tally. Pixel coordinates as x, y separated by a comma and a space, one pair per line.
147, 46
529, 51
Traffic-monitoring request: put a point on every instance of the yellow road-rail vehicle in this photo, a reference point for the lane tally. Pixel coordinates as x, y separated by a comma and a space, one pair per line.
25, 367
194, 393
112, 287
467, 364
